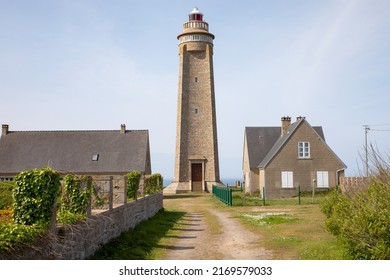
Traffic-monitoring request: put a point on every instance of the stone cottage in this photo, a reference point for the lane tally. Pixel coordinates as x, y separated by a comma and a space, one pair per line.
277, 160
96, 153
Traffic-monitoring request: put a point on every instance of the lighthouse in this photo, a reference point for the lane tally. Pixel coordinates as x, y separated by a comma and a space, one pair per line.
196, 154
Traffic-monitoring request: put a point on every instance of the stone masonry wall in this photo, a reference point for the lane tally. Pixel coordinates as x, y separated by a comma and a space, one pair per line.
80, 241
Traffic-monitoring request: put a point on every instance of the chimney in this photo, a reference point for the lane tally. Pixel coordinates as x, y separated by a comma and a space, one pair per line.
286, 121
4, 129
300, 118
123, 128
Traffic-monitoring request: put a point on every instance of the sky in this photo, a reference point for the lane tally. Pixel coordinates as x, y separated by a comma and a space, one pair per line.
93, 65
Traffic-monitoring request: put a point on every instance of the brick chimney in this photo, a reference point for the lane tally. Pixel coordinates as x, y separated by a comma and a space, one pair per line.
123, 128
4, 129
286, 122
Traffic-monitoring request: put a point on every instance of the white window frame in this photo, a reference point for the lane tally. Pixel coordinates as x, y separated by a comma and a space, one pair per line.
303, 149
322, 179
287, 179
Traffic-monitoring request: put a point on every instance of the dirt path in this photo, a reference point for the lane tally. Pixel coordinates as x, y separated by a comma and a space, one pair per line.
207, 232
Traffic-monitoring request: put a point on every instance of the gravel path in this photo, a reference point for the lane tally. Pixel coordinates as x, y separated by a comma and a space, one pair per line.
209, 233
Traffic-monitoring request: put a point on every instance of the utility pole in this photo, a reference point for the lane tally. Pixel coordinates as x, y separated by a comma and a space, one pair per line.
366, 129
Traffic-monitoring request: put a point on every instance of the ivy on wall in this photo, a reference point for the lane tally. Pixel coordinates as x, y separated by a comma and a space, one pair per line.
133, 179
153, 183
6, 195
34, 196
76, 193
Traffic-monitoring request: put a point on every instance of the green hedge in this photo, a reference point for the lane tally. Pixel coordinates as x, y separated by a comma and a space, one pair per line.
361, 220
6, 195
153, 183
133, 179
34, 195
76, 193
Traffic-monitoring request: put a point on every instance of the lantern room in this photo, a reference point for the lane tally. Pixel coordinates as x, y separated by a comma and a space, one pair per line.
195, 15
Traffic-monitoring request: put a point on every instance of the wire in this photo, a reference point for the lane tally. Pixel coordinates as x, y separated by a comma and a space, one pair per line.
380, 129
379, 124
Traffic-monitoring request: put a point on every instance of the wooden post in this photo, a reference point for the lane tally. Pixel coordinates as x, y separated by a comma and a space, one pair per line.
111, 195
313, 192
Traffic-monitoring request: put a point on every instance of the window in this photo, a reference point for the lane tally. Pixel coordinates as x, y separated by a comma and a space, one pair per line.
196, 79
196, 111
287, 179
322, 179
2, 179
95, 157
303, 149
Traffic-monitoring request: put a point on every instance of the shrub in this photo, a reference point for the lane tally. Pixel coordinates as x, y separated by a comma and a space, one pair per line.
6, 194
76, 193
153, 184
361, 220
34, 195
14, 236
133, 179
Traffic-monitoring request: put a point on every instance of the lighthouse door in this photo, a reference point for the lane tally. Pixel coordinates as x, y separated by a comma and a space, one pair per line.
196, 177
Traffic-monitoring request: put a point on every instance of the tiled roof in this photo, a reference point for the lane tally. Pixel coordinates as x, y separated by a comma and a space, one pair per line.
73, 151
265, 142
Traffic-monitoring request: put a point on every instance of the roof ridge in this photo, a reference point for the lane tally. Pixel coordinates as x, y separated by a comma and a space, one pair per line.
50, 131
280, 143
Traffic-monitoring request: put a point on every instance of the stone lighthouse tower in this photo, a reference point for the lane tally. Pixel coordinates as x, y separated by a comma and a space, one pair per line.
196, 160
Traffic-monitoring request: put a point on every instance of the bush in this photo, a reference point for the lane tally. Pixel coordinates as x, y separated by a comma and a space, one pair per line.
34, 195
75, 194
6, 195
16, 236
153, 184
133, 179
361, 220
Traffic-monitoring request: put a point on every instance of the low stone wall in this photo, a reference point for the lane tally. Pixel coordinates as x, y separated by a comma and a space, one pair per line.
83, 239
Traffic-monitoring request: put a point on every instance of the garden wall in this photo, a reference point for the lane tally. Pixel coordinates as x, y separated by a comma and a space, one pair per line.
81, 240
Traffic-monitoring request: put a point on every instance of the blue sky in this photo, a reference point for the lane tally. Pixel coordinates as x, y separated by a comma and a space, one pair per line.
83, 65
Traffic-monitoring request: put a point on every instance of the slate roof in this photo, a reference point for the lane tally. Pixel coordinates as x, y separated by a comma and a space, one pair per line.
72, 151
265, 142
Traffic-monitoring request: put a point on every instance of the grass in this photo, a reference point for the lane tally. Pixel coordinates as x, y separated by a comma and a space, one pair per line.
294, 232
290, 231
144, 241
242, 199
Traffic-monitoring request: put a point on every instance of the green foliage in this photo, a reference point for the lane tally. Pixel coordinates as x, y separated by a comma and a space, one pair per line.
361, 220
66, 217
76, 194
6, 194
34, 195
13, 236
133, 179
153, 184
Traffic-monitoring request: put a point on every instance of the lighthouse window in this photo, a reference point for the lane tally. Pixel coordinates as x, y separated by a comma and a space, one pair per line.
196, 79
196, 111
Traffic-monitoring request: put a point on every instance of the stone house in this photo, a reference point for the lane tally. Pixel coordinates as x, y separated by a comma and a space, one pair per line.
96, 153
277, 160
